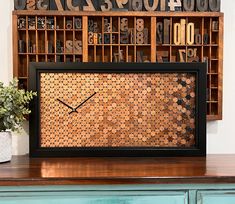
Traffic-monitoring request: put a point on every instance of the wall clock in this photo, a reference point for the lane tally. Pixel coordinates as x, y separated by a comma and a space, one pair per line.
123, 109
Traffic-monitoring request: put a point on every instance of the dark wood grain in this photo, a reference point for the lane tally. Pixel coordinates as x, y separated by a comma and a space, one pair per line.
75, 171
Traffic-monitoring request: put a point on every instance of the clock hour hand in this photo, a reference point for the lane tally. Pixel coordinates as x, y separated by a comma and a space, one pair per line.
74, 110
83, 103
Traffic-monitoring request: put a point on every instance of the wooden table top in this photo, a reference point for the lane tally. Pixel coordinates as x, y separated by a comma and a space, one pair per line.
23, 170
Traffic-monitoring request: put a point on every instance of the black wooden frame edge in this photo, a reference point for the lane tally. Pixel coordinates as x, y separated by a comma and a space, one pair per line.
199, 68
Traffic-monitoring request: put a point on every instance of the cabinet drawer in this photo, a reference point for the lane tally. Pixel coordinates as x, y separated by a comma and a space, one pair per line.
96, 197
216, 197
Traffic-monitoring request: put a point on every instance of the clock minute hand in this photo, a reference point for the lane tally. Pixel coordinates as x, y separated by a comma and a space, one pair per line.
83, 102
65, 104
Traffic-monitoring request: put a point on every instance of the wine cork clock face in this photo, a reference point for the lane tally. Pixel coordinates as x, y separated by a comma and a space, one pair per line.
117, 109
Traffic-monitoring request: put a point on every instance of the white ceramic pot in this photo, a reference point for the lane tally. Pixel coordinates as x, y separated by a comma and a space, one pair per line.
5, 146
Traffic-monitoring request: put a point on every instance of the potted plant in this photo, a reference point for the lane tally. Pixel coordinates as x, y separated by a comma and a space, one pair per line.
13, 108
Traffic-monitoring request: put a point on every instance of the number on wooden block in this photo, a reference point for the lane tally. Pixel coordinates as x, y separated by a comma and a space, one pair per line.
20, 4
69, 46
166, 39
69, 24
182, 55
90, 25
90, 37
95, 39
163, 5
192, 52
78, 47
31, 4
139, 24
198, 39
78, 23
159, 32
182, 31
189, 5
202, 5
139, 37
43, 4
190, 33
137, 5
89, 7
107, 26
177, 33
124, 24
174, 5
153, 7
71, 7
214, 5
121, 3
107, 5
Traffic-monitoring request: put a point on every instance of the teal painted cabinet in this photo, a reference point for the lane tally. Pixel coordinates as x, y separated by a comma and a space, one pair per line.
113, 197
120, 194
216, 197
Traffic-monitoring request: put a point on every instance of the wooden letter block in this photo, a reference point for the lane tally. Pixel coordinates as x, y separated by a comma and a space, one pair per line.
58, 4
214, 5
174, 5
190, 34
192, 52
163, 5
166, 39
139, 56
20, 4
121, 3
215, 25
182, 31
198, 39
78, 23
139, 24
107, 5
202, 5
159, 32
139, 38
177, 33
89, 7
95, 28
69, 46
99, 38
31, 4
153, 7
131, 34
137, 5
124, 24
90, 38
107, 26
182, 55
146, 34
43, 4
189, 5
71, 6
162, 56
206, 39
106, 38
90, 25
78, 47
95, 40
69, 24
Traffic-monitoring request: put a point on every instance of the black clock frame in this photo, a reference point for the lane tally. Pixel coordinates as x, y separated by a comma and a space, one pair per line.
199, 69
